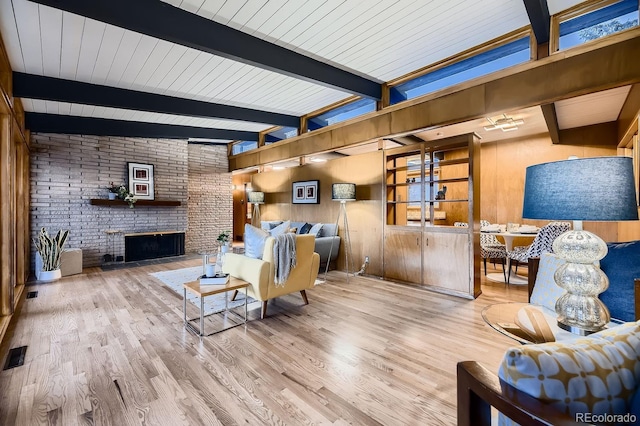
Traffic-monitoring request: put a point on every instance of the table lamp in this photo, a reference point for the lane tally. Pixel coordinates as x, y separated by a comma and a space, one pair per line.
256, 198
592, 189
342, 192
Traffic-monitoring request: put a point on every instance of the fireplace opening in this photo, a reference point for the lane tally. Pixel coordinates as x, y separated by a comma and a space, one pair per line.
153, 245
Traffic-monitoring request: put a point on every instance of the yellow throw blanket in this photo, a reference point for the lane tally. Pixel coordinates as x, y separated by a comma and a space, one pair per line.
284, 257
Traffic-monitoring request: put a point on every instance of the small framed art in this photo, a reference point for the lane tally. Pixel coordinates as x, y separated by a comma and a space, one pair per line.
141, 181
306, 192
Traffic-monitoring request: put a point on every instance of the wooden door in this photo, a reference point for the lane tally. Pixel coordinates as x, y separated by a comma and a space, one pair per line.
446, 260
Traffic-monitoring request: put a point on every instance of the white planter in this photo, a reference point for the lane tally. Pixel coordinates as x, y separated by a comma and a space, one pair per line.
47, 276
112, 195
224, 248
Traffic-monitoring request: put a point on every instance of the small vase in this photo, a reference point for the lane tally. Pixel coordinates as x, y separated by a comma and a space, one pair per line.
224, 248
112, 195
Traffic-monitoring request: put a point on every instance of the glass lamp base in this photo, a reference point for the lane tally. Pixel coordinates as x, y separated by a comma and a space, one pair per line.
576, 330
579, 309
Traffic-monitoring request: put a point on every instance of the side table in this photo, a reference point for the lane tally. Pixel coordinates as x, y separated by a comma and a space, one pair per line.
203, 291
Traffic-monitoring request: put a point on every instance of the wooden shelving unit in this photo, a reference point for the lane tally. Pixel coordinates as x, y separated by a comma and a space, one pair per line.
139, 203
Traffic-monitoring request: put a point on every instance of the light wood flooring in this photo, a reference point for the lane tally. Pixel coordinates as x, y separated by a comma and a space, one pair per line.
110, 348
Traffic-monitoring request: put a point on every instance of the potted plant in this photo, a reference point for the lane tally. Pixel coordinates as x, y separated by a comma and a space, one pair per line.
121, 192
50, 251
224, 240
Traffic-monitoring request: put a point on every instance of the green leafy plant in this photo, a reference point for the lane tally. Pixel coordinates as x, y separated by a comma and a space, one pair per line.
123, 194
223, 238
50, 249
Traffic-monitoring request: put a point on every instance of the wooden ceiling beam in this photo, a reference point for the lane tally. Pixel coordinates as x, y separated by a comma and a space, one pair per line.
61, 90
55, 123
600, 65
551, 118
538, 12
602, 134
167, 22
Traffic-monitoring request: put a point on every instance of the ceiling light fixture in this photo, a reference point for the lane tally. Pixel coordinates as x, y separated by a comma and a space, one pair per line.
504, 123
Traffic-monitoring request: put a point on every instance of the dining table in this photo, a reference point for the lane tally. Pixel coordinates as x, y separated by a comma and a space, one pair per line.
508, 237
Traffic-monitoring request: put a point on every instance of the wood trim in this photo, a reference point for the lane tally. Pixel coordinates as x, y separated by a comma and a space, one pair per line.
476, 50
7, 254
610, 62
628, 117
140, 234
602, 134
479, 389
331, 106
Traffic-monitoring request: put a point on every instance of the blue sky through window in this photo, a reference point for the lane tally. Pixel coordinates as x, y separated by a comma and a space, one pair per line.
570, 31
342, 113
243, 146
484, 63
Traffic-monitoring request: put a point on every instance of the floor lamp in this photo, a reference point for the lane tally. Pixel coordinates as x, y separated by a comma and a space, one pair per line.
593, 189
256, 198
342, 192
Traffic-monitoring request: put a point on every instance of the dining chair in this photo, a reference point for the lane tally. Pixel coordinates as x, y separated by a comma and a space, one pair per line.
542, 243
461, 224
491, 248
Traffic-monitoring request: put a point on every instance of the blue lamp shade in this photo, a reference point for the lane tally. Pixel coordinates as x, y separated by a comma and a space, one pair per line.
591, 189
256, 197
343, 192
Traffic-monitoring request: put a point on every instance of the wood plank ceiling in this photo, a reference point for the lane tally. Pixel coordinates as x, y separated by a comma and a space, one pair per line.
379, 40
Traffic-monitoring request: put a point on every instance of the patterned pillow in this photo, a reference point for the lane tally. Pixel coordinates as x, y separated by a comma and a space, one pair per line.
598, 374
315, 229
546, 291
254, 239
280, 229
305, 229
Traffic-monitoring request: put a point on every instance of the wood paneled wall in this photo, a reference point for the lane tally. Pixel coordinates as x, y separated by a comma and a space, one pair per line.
503, 172
501, 185
365, 215
14, 197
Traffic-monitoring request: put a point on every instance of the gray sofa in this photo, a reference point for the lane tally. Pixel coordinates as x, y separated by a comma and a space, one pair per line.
323, 241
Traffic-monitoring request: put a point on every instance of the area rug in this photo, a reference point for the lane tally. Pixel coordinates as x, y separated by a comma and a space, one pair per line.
174, 280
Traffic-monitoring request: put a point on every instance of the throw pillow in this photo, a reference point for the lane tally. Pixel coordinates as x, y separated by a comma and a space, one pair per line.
546, 291
280, 229
254, 239
597, 374
305, 229
315, 229
622, 265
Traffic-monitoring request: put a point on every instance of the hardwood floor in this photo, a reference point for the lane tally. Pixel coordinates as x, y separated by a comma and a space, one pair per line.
110, 348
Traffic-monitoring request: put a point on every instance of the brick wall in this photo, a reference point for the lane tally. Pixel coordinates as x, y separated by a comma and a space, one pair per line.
210, 197
68, 170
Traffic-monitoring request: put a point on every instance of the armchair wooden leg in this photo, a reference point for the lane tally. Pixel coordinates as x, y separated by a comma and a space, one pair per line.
263, 313
485, 265
235, 294
304, 296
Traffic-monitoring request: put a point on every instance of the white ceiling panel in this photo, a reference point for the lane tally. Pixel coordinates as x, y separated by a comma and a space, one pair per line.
383, 39
36, 105
594, 108
556, 6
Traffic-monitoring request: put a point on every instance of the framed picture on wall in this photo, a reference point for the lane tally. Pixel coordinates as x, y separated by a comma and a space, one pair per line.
141, 180
306, 192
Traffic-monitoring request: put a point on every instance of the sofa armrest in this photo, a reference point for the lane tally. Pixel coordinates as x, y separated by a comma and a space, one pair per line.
323, 247
254, 271
479, 390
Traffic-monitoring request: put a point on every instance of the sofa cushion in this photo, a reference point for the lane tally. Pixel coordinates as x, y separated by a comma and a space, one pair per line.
305, 229
328, 230
283, 228
268, 225
315, 229
254, 239
622, 266
297, 225
546, 291
598, 374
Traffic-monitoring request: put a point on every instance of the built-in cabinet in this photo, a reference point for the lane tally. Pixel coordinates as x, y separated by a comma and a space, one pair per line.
430, 187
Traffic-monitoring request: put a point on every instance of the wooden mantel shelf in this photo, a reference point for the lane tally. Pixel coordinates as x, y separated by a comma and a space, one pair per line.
152, 203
